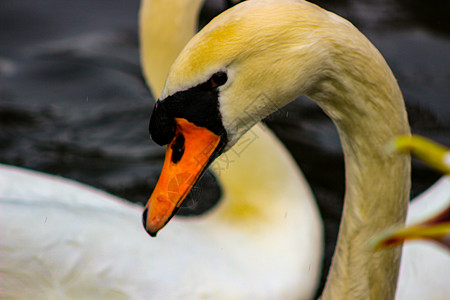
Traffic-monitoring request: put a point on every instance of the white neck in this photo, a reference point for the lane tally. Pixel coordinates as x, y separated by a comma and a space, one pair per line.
364, 101
165, 28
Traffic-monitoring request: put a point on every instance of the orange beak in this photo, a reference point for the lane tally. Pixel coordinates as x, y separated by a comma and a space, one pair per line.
187, 156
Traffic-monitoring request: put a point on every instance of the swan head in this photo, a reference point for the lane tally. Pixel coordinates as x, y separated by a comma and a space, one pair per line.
241, 67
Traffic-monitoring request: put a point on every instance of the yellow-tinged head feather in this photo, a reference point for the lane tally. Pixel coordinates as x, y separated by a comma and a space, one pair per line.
433, 154
246, 31
397, 236
270, 49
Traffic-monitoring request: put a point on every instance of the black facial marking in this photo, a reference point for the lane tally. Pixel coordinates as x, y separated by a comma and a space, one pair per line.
162, 126
144, 222
198, 105
178, 148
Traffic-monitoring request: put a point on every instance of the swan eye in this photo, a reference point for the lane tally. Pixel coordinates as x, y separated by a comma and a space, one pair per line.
218, 79
177, 148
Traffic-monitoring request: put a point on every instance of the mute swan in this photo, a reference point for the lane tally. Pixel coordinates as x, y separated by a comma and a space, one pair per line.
86, 244
283, 49
243, 178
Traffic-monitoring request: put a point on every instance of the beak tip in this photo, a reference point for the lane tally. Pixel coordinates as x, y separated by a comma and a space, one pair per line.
144, 217
152, 234
144, 223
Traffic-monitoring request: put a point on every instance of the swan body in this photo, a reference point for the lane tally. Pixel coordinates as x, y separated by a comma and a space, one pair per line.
87, 244
425, 266
283, 49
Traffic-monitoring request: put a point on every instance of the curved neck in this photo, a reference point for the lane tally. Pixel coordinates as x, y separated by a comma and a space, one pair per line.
165, 28
361, 96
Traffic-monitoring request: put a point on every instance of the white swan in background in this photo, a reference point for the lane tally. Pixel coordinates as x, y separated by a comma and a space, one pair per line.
283, 49
62, 239
429, 216
431, 268
428, 219
433, 222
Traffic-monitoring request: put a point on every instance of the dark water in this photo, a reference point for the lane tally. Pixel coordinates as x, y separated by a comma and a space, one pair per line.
73, 103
